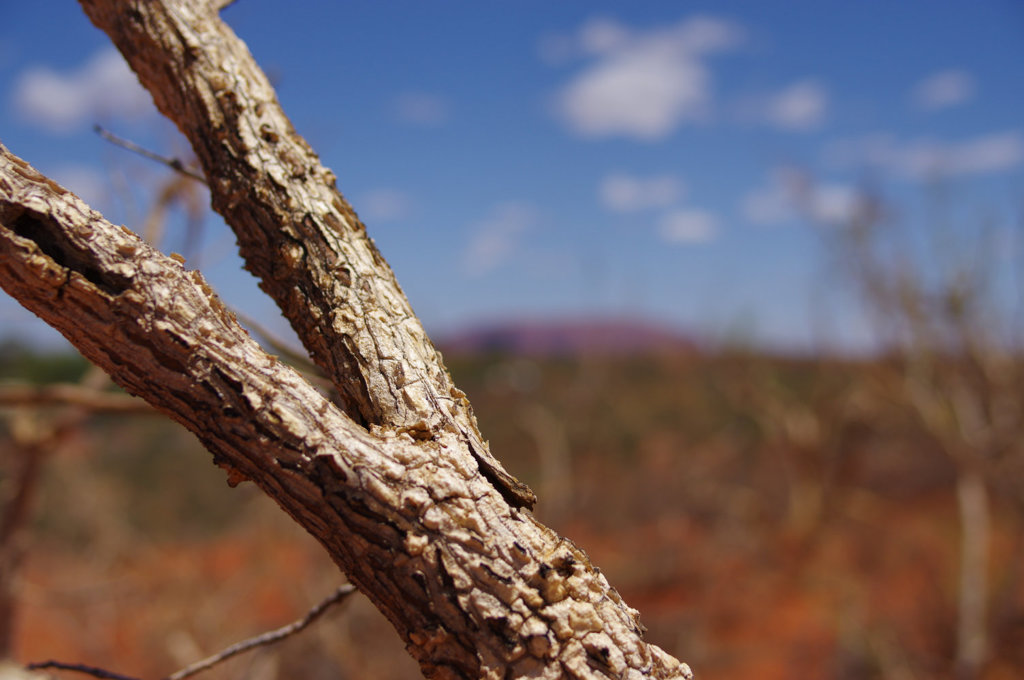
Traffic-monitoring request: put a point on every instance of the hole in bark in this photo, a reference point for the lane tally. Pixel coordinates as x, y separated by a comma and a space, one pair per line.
500, 627
421, 580
449, 589
564, 565
598, 657
291, 466
51, 239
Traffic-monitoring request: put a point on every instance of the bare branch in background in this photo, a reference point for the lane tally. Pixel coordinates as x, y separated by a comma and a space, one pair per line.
93, 400
173, 163
267, 638
262, 640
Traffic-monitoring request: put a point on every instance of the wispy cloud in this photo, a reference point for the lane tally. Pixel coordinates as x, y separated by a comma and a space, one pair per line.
101, 89
798, 107
801, 106
926, 158
639, 84
421, 108
598, 35
496, 237
626, 193
943, 89
688, 225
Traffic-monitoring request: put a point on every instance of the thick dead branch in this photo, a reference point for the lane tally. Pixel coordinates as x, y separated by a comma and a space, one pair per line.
476, 587
398, 486
295, 230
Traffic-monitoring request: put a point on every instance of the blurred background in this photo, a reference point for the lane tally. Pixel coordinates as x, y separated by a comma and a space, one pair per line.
735, 287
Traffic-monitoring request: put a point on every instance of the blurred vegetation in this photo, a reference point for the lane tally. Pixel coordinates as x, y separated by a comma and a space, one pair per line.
137, 473
767, 514
20, 362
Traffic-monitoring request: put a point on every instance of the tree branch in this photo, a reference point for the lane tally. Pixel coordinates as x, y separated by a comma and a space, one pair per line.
399, 488
295, 230
476, 587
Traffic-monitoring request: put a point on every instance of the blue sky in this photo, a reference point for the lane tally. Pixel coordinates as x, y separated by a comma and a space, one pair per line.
549, 159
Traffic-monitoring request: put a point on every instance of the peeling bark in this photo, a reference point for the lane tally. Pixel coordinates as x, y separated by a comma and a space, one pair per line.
397, 484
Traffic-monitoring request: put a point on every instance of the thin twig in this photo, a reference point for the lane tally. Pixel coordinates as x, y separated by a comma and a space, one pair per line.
267, 638
262, 640
79, 668
173, 163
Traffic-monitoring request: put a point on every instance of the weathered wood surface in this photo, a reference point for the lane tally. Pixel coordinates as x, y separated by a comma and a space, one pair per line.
396, 483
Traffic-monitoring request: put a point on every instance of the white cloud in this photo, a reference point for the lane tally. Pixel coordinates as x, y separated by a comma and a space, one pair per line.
688, 226
789, 194
421, 108
800, 106
640, 84
383, 205
497, 236
926, 159
623, 193
943, 89
103, 88
835, 203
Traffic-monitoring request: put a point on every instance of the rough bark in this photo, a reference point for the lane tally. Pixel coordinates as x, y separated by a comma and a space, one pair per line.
396, 484
295, 230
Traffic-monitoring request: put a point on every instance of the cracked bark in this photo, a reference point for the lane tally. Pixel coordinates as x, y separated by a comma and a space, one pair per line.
396, 483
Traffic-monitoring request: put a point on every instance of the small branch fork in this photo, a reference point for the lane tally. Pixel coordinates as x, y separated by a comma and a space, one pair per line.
296, 359
262, 640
